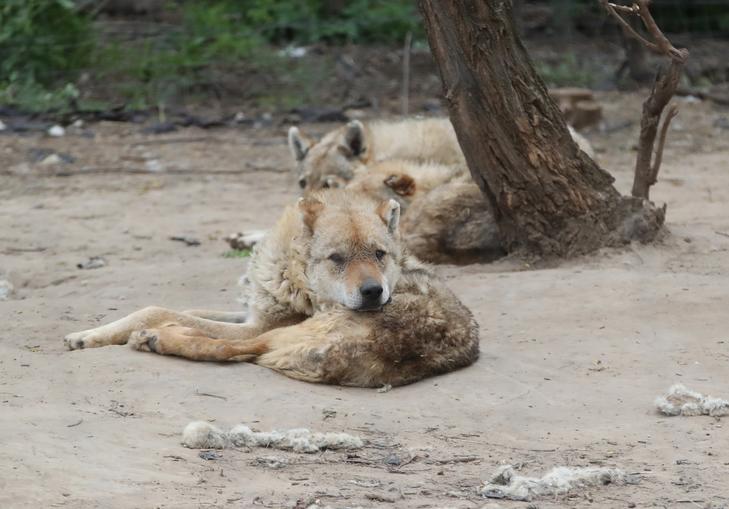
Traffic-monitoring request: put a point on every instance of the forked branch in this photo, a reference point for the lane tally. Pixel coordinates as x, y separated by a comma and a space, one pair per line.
647, 164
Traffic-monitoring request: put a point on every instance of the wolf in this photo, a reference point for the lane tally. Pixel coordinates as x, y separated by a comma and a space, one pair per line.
335, 159
445, 217
417, 162
336, 299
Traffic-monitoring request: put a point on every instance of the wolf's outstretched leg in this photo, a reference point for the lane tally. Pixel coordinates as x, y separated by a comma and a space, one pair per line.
313, 350
194, 344
219, 316
117, 333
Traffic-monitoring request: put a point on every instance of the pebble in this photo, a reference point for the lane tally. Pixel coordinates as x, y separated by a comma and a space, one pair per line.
56, 131
6, 289
51, 160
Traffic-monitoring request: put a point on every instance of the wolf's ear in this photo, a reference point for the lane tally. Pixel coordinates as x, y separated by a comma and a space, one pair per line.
298, 144
310, 209
404, 185
389, 211
354, 138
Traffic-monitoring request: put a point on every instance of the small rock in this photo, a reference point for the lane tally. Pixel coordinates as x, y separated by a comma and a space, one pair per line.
385, 388
2, 126
95, 262
78, 124
56, 131
51, 160
293, 52
47, 157
393, 459
6, 289
210, 455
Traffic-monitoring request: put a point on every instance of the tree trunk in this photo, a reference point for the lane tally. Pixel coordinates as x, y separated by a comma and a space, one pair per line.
547, 196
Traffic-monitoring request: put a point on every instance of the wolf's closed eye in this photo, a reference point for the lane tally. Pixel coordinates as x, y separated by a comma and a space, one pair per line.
336, 258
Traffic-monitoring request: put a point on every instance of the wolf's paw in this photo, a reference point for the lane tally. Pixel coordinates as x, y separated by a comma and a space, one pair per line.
144, 340
76, 340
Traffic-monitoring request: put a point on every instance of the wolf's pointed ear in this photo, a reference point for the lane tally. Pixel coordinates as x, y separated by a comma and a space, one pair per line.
355, 142
389, 211
310, 209
404, 185
298, 144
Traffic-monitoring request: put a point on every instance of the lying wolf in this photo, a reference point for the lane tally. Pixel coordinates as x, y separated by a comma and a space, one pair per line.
445, 217
335, 299
415, 161
334, 160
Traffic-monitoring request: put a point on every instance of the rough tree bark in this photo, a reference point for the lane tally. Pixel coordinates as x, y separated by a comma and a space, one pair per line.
547, 196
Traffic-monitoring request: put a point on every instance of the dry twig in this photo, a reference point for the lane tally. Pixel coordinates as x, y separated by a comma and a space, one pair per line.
664, 88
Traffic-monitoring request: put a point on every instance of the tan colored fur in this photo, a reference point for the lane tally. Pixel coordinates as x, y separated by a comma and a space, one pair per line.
305, 321
334, 160
445, 217
418, 163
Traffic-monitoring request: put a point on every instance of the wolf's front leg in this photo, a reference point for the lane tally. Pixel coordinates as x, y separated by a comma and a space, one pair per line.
118, 332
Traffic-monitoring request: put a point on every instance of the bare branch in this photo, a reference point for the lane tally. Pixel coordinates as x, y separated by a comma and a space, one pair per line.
629, 30
647, 164
661, 41
658, 158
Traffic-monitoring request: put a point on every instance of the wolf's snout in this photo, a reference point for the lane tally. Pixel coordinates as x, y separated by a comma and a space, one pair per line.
371, 292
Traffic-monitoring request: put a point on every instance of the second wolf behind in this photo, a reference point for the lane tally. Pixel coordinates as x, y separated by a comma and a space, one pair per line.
419, 163
334, 160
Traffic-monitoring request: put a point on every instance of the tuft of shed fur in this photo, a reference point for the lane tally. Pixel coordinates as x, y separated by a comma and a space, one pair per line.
679, 400
506, 483
202, 435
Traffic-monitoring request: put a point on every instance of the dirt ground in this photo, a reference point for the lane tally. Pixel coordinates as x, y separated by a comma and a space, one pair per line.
573, 355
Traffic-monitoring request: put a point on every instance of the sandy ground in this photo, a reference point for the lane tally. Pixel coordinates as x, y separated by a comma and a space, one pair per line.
572, 355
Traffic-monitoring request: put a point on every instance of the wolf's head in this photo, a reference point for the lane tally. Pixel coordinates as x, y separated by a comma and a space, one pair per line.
355, 253
332, 161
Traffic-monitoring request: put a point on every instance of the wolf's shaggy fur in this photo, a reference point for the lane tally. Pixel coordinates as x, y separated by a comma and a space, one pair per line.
334, 160
203, 435
445, 217
416, 162
313, 314
505, 483
679, 400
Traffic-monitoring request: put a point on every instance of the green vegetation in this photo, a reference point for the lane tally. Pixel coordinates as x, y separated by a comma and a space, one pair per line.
565, 72
43, 46
237, 253
55, 57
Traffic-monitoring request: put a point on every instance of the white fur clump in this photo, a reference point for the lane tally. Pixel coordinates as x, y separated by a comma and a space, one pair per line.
505, 483
683, 401
203, 435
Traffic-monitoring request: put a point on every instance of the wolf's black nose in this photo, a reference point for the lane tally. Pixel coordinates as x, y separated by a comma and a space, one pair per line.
371, 291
